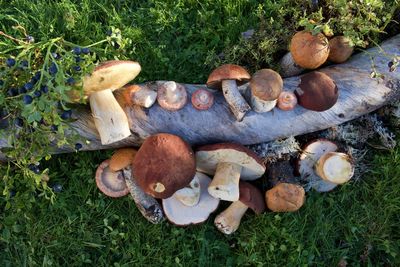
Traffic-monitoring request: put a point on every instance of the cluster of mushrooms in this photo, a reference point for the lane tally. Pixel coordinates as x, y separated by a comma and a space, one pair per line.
166, 168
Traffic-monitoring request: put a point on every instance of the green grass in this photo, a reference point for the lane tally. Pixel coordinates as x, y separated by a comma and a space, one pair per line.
180, 40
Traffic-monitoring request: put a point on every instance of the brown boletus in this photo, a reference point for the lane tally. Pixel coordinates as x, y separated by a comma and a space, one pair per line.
183, 215
164, 164
341, 49
309, 51
230, 163
317, 91
265, 85
109, 182
285, 197
202, 99
171, 96
287, 101
335, 167
122, 158
228, 77
228, 221
140, 95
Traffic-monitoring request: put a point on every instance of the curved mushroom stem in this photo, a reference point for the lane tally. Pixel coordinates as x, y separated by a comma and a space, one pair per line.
288, 67
260, 105
225, 184
144, 97
110, 119
236, 102
228, 221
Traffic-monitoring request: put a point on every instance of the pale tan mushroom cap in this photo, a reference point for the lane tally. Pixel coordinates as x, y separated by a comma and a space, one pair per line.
266, 84
122, 158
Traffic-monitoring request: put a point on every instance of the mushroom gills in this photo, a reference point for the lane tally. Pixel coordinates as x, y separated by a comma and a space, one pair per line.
228, 221
225, 184
236, 102
260, 105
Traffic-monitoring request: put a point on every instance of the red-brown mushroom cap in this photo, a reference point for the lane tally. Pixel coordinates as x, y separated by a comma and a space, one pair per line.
251, 197
122, 158
266, 84
340, 49
109, 182
317, 91
227, 72
164, 164
202, 99
171, 96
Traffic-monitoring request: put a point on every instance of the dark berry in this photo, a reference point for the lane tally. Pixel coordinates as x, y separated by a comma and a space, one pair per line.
12, 92
28, 86
19, 122
78, 146
24, 64
1, 82
57, 188
44, 89
12, 193
77, 68
60, 105
77, 50
109, 32
78, 59
3, 119
30, 39
53, 68
390, 64
22, 90
85, 50
54, 128
66, 114
117, 46
27, 99
55, 55
37, 93
37, 75
70, 81
10, 62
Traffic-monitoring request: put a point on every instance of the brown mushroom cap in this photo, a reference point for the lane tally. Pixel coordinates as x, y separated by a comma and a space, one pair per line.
122, 158
109, 182
164, 164
317, 91
208, 157
202, 99
340, 49
309, 51
285, 197
251, 197
168, 103
227, 72
266, 84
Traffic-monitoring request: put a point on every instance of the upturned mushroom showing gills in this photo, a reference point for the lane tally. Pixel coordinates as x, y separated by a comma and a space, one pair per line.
335, 167
171, 96
202, 99
228, 77
228, 221
230, 163
341, 49
265, 85
164, 164
285, 197
109, 182
287, 101
109, 118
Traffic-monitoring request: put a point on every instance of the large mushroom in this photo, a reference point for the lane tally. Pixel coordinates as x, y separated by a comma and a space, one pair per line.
228, 221
228, 77
341, 49
230, 163
335, 167
265, 85
164, 164
111, 183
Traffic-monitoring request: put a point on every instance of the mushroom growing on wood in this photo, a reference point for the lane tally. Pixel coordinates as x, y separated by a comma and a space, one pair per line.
122, 158
183, 215
229, 162
228, 77
285, 197
190, 194
335, 167
164, 164
265, 85
341, 49
139, 95
171, 96
287, 101
228, 221
109, 182
202, 99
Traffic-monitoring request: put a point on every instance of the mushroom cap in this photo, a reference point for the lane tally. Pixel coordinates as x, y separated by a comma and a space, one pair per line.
182, 215
309, 51
208, 157
122, 158
285, 197
251, 197
167, 102
227, 72
109, 182
124, 96
317, 91
340, 49
164, 164
266, 84
202, 99
287, 101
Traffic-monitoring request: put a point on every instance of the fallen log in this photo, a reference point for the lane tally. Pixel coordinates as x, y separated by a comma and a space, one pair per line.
358, 94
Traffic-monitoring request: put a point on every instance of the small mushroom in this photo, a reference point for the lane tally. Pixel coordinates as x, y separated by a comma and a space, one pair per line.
109, 182
309, 51
285, 197
122, 158
183, 215
288, 67
265, 85
228, 221
341, 49
190, 194
202, 99
228, 77
164, 164
335, 167
140, 95
229, 162
171, 96
317, 91
287, 101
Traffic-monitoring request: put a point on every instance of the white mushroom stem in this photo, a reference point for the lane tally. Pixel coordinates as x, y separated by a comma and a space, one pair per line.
236, 102
288, 67
335, 167
225, 184
145, 97
260, 105
172, 92
110, 119
189, 195
228, 221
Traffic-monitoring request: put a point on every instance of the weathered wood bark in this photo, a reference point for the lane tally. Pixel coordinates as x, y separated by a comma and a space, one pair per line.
358, 94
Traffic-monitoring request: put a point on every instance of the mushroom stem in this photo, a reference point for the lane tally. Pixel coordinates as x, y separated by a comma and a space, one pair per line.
145, 97
225, 184
236, 102
288, 67
172, 92
334, 167
110, 119
260, 105
228, 221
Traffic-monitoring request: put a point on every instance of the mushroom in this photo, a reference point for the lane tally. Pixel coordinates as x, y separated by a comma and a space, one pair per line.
171, 96
122, 158
109, 182
228, 77
190, 194
287, 101
317, 91
285, 197
309, 51
228, 221
288, 67
140, 95
229, 162
109, 118
183, 215
341, 49
202, 99
164, 164
335, 167
265, 85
